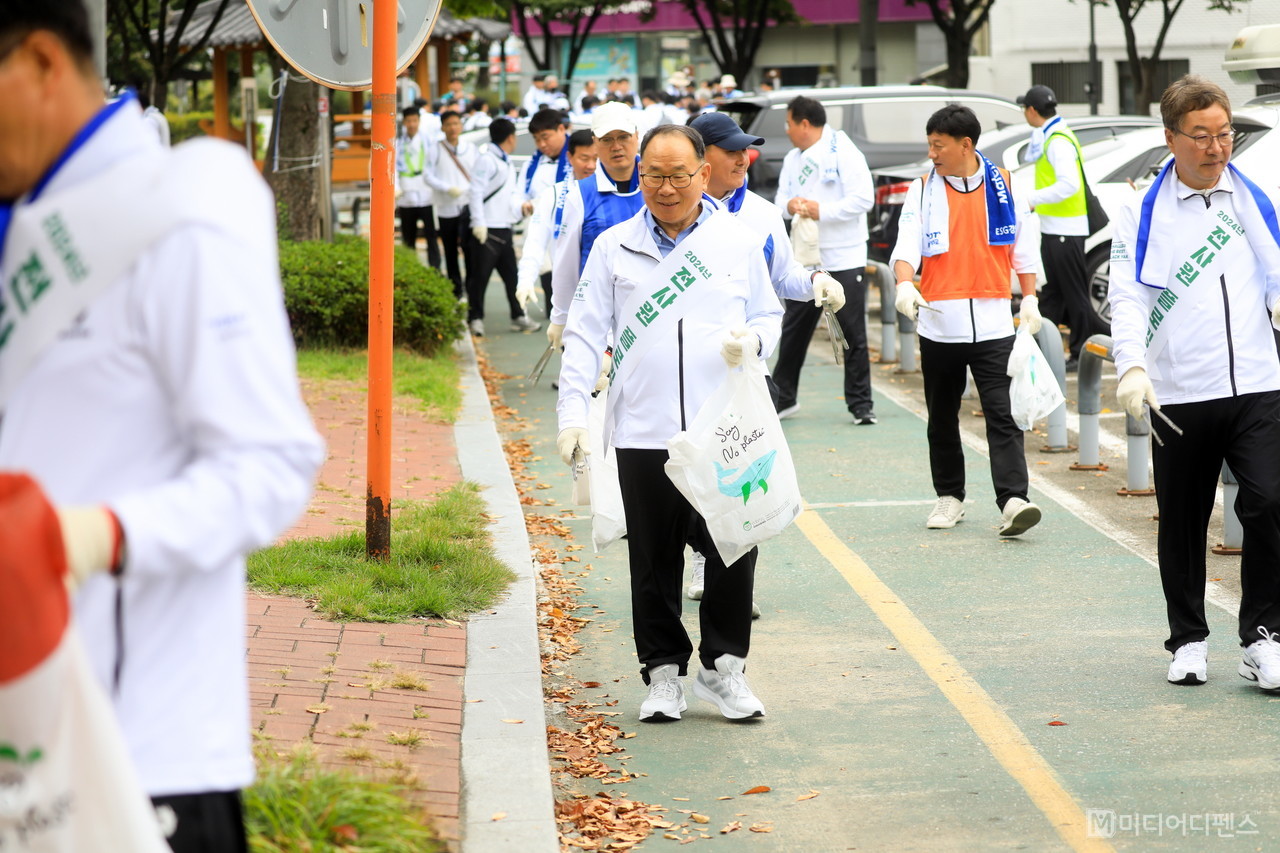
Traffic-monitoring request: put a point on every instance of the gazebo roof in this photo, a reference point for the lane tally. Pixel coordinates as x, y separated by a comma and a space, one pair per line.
238, 29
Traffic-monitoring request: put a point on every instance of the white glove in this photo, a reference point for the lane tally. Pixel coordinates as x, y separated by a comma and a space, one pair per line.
602, 383
454, 192
738, 346
908, 300
1134, 390
526, 293
91, 539
1030, 314
480, 232
572, 443
555, 335
827, 289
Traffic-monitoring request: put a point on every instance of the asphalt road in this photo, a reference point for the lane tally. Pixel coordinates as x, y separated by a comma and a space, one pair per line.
934, 690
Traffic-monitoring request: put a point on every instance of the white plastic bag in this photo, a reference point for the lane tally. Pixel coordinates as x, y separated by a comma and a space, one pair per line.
804, 241
67, 783
733, 465
608, 521
1033, 391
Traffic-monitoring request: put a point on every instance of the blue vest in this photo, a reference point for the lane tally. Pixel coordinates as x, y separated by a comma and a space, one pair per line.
601, 211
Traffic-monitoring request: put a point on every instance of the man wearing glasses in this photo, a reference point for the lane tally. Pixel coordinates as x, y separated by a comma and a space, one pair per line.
1195, 297
600, 201
683, 290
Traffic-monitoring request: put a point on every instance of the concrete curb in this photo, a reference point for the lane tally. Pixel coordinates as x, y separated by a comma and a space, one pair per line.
505, 766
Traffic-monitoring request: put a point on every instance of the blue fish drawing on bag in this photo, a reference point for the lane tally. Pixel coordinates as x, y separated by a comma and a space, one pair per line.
755, 477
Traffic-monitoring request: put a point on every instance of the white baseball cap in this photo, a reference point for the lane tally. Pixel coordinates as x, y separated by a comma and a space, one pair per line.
612, 116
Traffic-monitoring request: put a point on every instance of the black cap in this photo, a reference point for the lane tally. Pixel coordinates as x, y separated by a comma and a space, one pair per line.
720, 130
1039, 98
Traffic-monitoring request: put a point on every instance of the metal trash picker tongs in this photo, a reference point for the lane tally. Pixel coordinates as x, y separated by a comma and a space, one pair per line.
838, 342
536, 373
1162, 416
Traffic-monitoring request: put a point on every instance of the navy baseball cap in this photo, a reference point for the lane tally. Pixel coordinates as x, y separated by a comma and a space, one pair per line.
720, 130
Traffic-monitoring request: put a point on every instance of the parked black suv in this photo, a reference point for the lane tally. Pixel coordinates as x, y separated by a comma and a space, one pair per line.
885, 122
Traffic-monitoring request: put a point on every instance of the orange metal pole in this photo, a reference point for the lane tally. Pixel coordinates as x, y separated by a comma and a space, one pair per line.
381, 237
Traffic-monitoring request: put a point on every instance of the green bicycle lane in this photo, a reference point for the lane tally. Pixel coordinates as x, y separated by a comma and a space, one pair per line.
926, 690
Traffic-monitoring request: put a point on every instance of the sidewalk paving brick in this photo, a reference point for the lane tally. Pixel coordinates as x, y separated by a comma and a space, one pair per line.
329, 683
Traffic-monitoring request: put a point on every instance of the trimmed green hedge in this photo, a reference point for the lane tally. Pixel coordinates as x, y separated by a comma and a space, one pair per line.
326, 289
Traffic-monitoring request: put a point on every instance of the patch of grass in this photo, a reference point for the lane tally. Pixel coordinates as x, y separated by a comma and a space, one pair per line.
441, 564
412, 738
409, 681
297, 805
433, 380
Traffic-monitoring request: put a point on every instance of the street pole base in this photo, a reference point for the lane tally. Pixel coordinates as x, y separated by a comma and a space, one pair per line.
1136, 493
1064, 448
1099, 467
900, 371
1223, 551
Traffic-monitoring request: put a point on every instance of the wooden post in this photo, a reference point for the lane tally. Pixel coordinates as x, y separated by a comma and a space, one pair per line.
221, 97
381, 237
422, 73
444, 49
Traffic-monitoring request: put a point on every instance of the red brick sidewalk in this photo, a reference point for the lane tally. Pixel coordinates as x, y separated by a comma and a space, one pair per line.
369, 695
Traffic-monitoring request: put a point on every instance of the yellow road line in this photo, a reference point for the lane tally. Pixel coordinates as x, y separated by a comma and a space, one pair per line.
992, 725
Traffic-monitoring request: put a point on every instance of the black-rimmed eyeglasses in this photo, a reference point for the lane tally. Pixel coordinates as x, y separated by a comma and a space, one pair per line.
679, 181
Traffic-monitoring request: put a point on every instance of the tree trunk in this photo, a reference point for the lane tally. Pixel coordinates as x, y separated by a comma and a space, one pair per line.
1143, 86
295, 179
957, 57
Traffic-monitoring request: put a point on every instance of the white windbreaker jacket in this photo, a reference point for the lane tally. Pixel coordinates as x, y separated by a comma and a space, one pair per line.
677, 375
1224, 345
173, 399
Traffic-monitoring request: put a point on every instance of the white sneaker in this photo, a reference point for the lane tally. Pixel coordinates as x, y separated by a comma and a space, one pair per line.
525, 323
666, 695
698, 583
1261, 661
788, 411
1190, 664
946, 514
1019, 516
477, 327
726, 687
755, 610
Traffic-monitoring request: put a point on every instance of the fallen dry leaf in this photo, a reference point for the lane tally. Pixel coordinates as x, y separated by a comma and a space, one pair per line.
1056, 723
699, 818
346, 832
513, 721
760, 827
681, 799
592, 684
809, 796
724, 798
758, 789
499, 815
732, 827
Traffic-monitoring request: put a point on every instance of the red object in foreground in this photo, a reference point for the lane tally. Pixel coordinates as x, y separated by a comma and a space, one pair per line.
34, 607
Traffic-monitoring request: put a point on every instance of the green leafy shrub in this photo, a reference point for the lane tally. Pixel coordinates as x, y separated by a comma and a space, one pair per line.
186, 125
326, 288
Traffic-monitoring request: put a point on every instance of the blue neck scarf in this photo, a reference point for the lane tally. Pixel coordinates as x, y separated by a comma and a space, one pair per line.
77, 142
734, 201
562, 166
1265, 208
1002, 216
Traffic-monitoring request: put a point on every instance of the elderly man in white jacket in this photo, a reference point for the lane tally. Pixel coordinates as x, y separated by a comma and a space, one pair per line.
1193, 286
147, 383
684, 290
